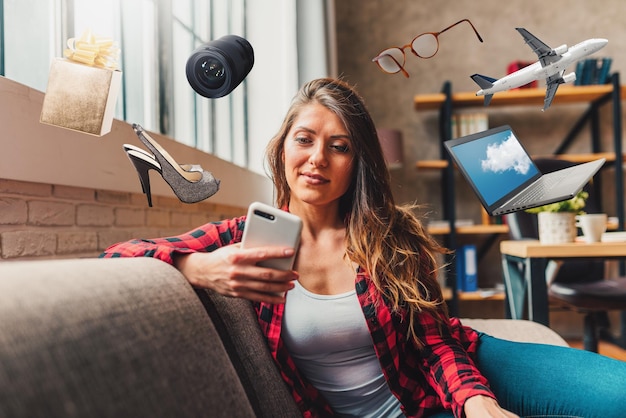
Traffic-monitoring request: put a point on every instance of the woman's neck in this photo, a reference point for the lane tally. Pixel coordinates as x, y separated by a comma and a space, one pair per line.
321, 261
317, 219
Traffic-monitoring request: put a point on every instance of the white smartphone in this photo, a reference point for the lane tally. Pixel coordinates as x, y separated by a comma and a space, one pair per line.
267, 225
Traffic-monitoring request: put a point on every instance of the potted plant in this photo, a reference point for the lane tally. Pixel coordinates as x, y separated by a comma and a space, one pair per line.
557, 221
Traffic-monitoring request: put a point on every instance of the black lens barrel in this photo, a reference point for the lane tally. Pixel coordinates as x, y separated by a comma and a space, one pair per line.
214, 69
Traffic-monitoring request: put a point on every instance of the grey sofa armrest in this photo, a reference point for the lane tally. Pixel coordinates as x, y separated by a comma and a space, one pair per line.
516, 330
112, 337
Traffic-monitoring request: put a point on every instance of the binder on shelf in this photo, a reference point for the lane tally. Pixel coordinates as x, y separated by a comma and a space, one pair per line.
589, 71
580, 67
603, 72
466, 269
593, 71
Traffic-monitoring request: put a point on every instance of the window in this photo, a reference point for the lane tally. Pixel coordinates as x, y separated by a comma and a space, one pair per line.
156, 38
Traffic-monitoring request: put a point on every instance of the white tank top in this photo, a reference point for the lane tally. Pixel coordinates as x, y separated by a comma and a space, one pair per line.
330, 343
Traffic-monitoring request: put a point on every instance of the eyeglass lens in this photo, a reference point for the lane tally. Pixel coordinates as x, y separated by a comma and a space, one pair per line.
391, 60
426, 45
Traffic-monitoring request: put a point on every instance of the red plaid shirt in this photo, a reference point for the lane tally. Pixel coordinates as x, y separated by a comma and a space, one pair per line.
440, 375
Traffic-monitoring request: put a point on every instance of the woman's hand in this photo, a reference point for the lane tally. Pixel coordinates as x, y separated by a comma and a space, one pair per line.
485, 407
232, 271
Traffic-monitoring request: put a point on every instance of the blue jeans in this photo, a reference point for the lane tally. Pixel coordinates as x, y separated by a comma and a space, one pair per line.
537, 380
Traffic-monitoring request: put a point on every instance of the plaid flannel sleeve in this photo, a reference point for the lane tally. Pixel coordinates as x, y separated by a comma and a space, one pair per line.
206, 238
452, 371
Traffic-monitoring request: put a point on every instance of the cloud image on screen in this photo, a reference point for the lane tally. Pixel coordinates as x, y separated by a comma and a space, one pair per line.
507, 155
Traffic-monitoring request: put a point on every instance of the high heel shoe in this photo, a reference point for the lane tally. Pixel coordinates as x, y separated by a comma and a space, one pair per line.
144, 161
190, 183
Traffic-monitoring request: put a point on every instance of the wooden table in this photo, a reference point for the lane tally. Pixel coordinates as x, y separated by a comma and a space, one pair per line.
524, 264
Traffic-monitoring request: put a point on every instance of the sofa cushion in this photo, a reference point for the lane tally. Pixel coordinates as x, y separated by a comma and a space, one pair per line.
110, 337
236, 322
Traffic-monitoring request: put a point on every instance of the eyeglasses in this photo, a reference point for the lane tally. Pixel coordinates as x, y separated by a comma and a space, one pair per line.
426, 45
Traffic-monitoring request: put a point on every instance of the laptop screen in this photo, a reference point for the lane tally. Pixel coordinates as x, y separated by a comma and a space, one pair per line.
495, 161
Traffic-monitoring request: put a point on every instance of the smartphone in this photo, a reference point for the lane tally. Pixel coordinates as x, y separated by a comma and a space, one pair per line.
267, 225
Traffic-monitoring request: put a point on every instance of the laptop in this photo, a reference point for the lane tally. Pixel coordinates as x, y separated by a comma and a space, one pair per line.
506, 179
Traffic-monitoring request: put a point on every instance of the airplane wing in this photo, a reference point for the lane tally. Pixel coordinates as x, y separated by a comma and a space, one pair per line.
551, 88
544, 52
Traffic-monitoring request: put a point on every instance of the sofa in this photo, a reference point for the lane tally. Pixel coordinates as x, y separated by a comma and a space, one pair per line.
129, 337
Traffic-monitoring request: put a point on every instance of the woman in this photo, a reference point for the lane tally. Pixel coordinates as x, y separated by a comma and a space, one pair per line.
363, 329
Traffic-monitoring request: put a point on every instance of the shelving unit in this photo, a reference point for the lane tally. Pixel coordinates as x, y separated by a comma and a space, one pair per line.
446, 102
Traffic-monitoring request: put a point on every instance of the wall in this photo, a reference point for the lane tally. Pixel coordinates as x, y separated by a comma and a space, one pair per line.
41, 220
366, 27
67, 194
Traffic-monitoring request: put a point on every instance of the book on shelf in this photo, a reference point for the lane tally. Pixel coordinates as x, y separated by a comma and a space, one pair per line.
614, 236
466, 123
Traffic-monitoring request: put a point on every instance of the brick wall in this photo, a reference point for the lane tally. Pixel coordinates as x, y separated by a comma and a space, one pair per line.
43, 221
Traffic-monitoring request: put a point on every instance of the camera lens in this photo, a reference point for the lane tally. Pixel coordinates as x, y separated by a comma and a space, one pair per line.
211, 73
217, 67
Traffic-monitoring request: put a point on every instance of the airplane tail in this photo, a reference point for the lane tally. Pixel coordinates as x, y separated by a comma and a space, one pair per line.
485, 83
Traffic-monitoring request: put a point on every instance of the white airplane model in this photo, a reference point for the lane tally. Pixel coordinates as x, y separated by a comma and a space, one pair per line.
551, 66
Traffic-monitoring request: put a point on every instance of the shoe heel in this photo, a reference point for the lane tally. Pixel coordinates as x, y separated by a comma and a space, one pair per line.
144, 178
143, 167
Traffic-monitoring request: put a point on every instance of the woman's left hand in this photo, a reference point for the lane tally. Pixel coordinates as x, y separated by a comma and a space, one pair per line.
485, 407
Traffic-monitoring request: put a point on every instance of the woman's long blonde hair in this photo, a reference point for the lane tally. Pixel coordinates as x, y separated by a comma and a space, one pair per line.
385, 239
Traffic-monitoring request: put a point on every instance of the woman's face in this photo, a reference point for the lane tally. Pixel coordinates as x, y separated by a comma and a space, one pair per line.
319, 157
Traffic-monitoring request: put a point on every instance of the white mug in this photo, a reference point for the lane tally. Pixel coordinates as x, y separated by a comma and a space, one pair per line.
593, 226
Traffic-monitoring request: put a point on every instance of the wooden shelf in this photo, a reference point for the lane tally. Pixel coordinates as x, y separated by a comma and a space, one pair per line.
476, 296
480, 295
583, 158
484, 229
535, 96
431, 164
479, 229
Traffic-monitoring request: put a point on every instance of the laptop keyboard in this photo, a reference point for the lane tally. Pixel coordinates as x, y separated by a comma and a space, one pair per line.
541, 188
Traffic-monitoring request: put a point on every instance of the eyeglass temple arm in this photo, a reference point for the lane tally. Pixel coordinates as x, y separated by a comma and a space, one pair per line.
400, 66
461, 21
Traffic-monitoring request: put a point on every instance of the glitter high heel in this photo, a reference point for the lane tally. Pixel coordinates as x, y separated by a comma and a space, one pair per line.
190, 183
